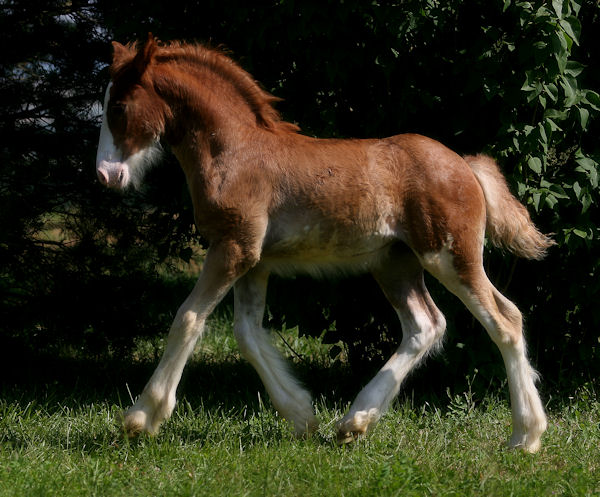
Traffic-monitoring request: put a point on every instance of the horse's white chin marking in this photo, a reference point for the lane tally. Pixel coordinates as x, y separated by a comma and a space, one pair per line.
112, 169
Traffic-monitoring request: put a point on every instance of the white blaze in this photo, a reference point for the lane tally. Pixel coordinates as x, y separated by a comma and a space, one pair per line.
112, 168
108, 158
106, 147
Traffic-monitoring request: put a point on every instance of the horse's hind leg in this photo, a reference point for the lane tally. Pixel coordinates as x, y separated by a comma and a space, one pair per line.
401, 279
291, 400
463, 275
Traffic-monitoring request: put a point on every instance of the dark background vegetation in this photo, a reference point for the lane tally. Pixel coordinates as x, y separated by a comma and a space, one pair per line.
85, 271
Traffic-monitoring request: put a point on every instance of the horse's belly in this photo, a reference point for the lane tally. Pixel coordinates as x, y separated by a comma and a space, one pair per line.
319, 250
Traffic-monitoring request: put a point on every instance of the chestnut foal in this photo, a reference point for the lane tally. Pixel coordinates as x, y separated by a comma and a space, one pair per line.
272, 200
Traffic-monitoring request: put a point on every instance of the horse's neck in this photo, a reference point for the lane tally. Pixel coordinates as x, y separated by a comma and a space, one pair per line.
212, 130
202, 103
207, 141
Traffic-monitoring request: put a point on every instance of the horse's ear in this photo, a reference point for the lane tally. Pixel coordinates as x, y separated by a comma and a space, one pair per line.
119, 51
144, 55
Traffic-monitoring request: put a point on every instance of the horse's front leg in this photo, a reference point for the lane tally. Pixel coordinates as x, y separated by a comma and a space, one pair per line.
222, 266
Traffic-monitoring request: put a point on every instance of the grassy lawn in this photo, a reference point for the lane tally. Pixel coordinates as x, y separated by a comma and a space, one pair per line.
61, 438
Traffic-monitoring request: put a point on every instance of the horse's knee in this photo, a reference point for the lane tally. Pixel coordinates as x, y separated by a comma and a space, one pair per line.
186, 325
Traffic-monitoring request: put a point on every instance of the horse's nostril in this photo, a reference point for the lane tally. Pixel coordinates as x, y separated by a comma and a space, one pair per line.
102, 177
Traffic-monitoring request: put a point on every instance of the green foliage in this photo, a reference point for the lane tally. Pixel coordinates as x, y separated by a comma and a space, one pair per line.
543, 135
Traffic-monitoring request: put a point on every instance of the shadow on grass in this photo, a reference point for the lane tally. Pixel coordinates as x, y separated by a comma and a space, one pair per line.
232, 384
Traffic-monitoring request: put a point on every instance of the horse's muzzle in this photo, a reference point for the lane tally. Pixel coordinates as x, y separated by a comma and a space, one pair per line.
113, 174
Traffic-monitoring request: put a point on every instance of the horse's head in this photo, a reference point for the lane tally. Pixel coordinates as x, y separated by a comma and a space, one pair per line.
133, 120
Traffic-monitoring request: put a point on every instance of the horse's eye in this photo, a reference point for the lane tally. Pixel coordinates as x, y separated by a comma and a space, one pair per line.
117, 109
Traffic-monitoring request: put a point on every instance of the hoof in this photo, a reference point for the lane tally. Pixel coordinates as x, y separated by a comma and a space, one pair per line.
347, 437
135, 422
356, 425
530, 439
300, 415
307, 429
524, 444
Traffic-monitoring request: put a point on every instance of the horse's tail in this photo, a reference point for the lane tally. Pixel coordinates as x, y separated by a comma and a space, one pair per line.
508, 222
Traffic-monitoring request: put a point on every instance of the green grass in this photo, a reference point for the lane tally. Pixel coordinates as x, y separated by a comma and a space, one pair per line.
224, 438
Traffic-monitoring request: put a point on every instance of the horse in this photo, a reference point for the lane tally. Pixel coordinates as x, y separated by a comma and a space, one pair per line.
269, 199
